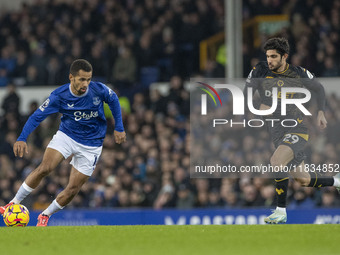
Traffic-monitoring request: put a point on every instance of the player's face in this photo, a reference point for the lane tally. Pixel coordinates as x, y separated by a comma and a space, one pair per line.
80, 82
275, 61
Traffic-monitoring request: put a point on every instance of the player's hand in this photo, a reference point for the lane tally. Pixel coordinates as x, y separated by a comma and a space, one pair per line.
322, 122
19, 148
120, 137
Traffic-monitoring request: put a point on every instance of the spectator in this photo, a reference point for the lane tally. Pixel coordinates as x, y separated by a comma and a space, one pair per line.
124, 70
214, 200
54, 72
20, 71
185, 198
33, 78
11, 102
145, 53
3, 77
7, 61
301, 200
331, 70
329, 199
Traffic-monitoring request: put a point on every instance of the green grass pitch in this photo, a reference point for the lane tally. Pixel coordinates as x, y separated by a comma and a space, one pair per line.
223, 239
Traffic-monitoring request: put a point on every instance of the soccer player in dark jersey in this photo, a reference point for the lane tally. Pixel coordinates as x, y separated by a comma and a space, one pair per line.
81, 134
289, 141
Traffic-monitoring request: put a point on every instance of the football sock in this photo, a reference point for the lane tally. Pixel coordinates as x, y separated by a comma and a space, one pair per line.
316, 180
53, 208
281, 209
336, 182
23, 192
281, 191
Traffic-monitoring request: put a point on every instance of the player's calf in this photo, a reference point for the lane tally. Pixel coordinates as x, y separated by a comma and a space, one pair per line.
317, 180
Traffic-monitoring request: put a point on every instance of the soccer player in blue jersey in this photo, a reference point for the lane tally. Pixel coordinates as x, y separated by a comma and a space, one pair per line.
81, 134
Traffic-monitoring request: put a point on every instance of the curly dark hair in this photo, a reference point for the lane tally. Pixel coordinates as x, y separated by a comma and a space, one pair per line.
279, 44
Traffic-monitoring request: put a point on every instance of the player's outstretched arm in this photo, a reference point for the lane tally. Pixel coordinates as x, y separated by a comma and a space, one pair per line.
19, 148
120, 137
321, 119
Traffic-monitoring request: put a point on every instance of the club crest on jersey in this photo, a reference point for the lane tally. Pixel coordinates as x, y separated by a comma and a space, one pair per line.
280, 83
44, 105
96, 100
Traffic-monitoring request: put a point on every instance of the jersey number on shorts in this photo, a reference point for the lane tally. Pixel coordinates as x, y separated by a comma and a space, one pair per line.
291, 139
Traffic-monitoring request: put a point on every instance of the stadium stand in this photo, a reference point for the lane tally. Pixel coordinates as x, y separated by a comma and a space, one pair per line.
161, 38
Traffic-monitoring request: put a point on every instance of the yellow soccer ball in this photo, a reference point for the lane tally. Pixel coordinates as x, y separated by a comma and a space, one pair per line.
16, 215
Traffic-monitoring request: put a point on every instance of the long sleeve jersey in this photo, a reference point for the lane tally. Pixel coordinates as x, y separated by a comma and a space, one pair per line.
82, 116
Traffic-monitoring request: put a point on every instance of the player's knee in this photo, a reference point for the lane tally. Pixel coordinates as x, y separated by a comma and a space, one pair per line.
275, 161
45, 169
303, 181
72, 190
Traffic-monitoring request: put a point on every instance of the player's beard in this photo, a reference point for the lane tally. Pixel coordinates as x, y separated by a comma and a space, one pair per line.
81, 90
77, 87
277, 67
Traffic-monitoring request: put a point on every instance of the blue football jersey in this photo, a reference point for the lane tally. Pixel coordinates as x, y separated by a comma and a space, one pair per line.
82, 116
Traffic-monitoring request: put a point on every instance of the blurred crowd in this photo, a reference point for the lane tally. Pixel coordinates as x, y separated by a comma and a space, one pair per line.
126, 41
152, 168
131, 42
313, 33
142, 41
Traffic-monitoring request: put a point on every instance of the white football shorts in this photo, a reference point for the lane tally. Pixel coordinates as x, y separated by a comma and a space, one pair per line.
84, 158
